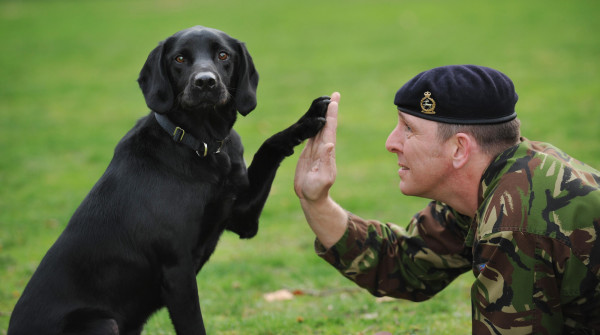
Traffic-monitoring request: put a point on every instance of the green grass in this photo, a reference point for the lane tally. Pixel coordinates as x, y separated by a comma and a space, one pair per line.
68, 94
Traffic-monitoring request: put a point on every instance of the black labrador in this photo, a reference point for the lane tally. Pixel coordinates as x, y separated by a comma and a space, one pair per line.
176, 182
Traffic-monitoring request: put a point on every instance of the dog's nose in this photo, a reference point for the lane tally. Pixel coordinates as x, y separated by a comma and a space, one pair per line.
205, 80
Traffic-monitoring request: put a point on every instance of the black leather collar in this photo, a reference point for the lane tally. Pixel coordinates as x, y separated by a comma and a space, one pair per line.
179, 135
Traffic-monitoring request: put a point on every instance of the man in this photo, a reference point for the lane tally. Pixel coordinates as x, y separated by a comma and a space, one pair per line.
523, 216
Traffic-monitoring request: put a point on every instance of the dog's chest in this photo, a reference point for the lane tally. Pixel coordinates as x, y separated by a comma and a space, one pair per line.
216, 214
221, 192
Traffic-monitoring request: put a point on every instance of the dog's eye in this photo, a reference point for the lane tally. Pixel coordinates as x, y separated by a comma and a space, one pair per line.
223, 55
180, 59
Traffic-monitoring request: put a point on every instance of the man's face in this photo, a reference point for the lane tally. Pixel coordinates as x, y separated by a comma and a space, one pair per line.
424, 161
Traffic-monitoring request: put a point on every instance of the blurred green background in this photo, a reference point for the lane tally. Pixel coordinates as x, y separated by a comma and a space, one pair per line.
68, 93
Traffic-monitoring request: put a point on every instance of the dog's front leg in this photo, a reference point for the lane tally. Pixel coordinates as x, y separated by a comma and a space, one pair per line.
265, 163
180, 294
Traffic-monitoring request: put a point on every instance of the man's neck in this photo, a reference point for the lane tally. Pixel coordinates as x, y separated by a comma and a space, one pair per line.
464, 190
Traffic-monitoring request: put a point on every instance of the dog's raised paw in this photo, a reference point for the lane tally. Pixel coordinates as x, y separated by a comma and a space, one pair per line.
314, 119
318, 108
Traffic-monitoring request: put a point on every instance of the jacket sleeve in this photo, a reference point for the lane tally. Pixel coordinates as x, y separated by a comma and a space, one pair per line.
413, 263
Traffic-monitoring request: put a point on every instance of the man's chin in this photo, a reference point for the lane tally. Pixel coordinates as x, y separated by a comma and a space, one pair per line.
407, 190
402, 188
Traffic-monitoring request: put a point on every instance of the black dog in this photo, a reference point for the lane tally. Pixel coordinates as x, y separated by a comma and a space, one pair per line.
176, 182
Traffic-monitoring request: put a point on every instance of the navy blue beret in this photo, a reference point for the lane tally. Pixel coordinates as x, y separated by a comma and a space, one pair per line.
460, 94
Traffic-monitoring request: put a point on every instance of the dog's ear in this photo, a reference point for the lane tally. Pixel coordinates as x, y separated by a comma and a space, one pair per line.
154, 81
247, 81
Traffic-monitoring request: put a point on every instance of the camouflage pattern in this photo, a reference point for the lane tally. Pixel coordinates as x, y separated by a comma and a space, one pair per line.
531, 247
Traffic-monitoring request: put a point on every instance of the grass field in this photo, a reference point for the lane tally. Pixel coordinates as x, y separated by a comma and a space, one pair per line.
68, 93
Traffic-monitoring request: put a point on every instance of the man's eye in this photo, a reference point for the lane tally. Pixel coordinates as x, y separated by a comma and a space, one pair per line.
406, 127
408, 131
223, 55
180, 59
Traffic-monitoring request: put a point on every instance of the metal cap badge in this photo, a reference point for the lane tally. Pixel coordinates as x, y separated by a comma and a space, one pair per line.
427, 104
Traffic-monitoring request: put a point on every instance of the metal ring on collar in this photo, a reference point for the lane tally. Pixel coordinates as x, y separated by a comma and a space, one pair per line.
205, 151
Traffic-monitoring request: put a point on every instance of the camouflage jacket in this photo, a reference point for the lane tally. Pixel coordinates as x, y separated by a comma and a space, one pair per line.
531, 246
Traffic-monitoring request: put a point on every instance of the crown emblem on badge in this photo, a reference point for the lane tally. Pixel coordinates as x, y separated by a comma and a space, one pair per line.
428, 104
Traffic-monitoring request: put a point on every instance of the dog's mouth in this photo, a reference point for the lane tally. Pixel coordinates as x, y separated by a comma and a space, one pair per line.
198, 99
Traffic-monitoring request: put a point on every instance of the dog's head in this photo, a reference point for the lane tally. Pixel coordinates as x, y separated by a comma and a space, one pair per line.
199, 68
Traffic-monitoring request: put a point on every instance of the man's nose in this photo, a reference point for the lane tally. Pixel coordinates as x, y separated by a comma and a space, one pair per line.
393, 143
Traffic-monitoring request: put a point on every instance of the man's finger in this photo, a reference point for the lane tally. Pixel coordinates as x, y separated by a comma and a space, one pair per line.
328, 132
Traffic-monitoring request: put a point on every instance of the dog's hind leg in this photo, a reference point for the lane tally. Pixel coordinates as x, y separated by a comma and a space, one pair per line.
84, 325
134, 332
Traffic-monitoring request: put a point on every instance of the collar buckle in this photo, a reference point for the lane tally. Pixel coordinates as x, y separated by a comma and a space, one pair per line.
178, 134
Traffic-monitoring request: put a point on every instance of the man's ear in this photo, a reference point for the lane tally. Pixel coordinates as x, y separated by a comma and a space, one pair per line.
462, 149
